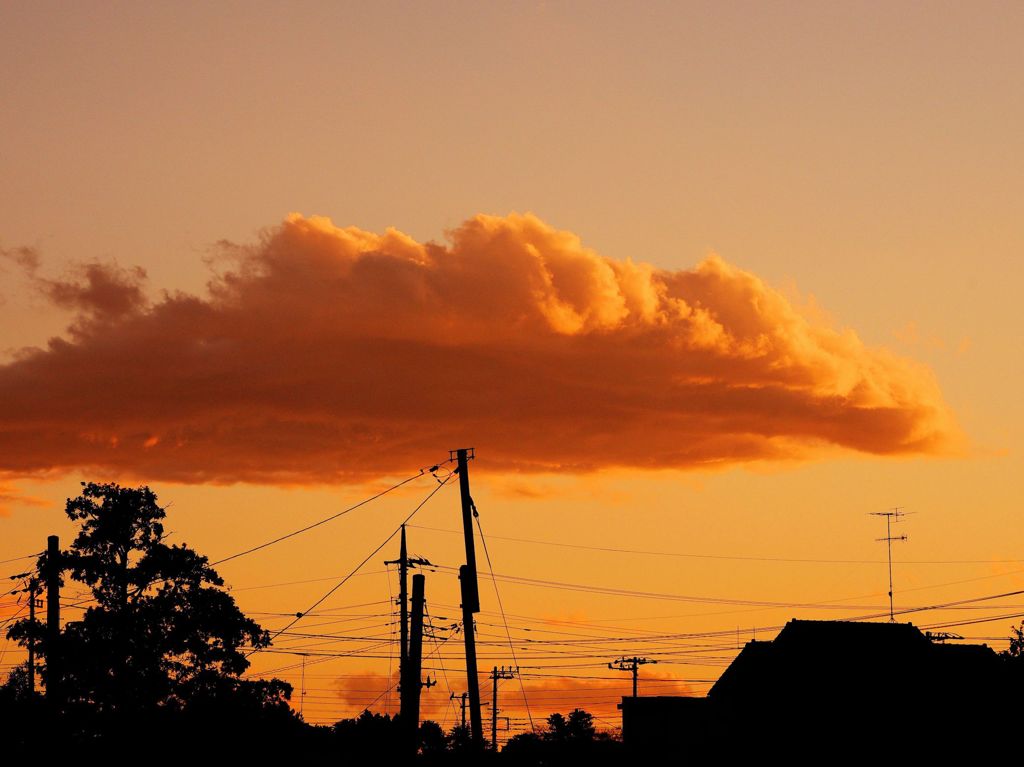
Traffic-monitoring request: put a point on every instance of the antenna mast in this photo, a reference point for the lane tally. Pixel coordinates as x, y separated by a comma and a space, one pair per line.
891, 516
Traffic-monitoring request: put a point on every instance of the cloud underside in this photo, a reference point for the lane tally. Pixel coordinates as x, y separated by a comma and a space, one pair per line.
325, 354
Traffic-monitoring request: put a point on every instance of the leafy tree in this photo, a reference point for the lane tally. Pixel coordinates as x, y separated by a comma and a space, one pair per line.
1016, 648
20, 713
16, 689
162, 636
432, 740
568, 740
370, 737
526, 748
558, 728
459, 738
579, 726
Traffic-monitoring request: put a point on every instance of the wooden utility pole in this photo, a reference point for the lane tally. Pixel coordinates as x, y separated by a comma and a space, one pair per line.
302, 686
496, 674
403, 601
462, 704
33, 590
470, 597
405, 563
630, 664
53, 659
411, 682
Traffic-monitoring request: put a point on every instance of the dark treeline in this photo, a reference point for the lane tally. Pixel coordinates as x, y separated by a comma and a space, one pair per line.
151, 664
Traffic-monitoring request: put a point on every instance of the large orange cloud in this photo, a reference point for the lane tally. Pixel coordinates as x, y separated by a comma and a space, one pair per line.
325, 354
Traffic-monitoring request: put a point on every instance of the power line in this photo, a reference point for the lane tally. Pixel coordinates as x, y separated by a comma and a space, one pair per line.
342, 513
972, 622
687, 555
299, 616
497, 594
440, 660
613, 591
297, 583
16, 559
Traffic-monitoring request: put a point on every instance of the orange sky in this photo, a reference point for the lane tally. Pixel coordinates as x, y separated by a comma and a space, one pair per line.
706, 283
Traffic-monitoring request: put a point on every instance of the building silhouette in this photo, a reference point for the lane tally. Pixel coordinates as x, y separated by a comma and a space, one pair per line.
836, 684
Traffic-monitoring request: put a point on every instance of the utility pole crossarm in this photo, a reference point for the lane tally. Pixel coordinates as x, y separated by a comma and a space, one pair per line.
631, 665
496, 674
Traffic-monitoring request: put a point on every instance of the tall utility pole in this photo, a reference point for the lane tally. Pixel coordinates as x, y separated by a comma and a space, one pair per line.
403, 601
496, 674
302, 685
53, 659
470, 596
410, 711
33, 590
891, 516
630, 664
405, 563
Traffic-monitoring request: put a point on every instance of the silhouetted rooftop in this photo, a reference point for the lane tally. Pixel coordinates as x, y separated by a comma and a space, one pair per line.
822, 682
846, 656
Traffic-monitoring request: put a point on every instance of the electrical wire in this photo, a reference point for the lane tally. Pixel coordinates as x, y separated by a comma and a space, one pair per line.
738, 558
325, 520
24, 556
440, 659
343, 581
497, 594
391, 653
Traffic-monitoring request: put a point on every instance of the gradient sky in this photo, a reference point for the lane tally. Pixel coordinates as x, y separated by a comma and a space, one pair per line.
858, 164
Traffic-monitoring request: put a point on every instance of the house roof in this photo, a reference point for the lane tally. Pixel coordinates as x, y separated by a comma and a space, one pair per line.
848, 658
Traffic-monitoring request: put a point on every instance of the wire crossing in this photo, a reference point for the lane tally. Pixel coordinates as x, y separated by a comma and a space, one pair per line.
300, 615
343, 512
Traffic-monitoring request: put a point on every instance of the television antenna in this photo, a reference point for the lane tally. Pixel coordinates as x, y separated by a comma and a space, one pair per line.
892, 516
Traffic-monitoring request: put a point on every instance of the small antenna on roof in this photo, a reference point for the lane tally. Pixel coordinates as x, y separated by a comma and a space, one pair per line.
891, 516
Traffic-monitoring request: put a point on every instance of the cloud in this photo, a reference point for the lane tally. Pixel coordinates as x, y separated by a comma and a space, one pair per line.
326, 354
95, 291
599, 694
359, 692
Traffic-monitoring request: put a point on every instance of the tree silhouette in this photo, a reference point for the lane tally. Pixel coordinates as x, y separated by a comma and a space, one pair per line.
15, 691
370, 737
568, 740
1016, 648
160, 637
459, 738
431, 738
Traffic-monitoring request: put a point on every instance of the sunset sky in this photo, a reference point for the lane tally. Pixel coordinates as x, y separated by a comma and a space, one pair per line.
704, 285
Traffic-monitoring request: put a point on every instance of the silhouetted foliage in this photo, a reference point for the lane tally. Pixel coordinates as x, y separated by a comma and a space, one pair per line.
432, 739
578, 727
1016, 649
567, 740
459, 738
370, 736
161, 642
20, 725
15, 690
525, 748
